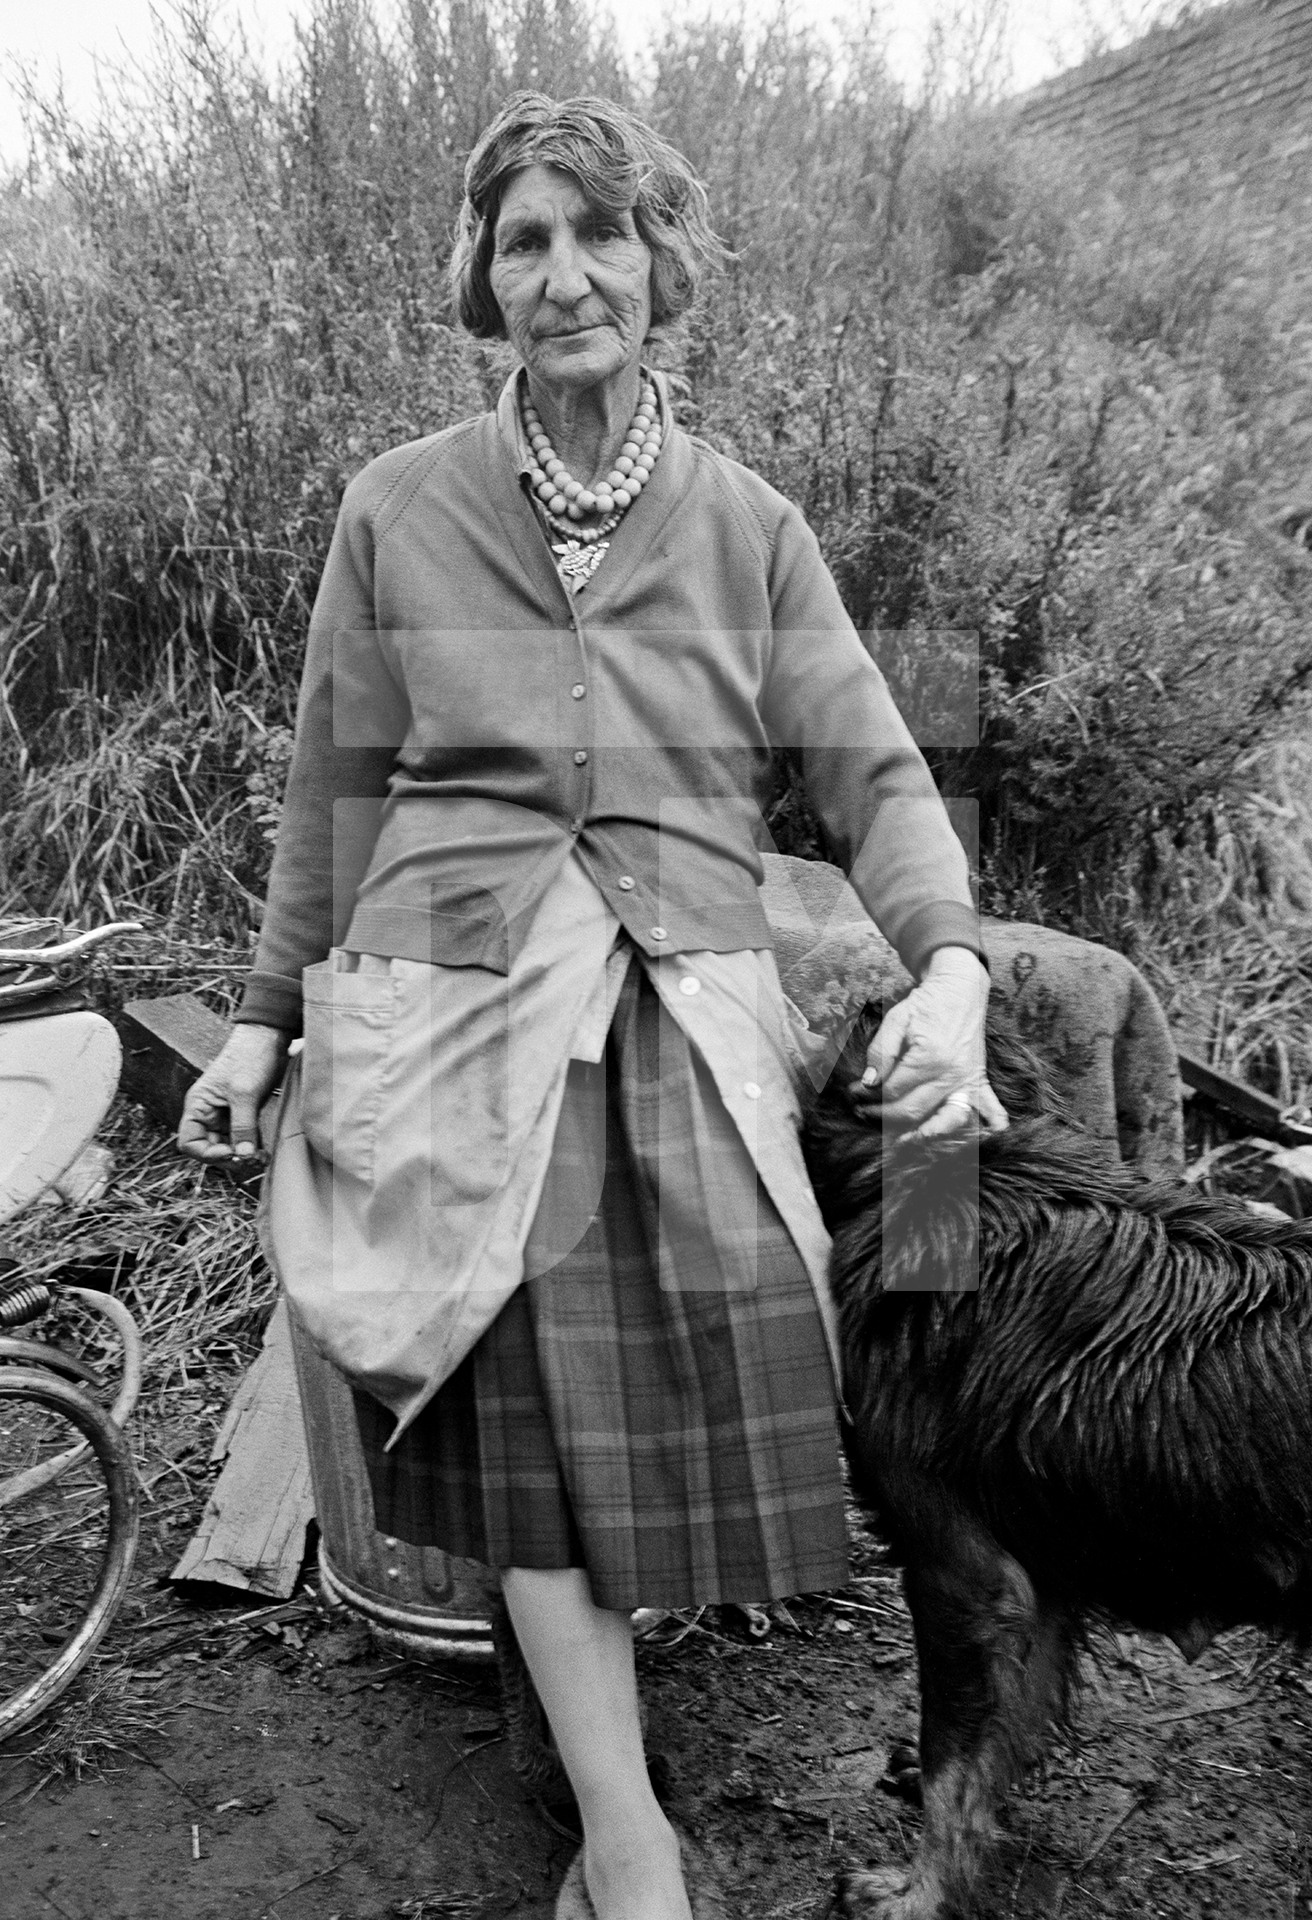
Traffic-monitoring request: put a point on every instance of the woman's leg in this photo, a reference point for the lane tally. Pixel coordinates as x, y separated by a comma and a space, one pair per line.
581, 1659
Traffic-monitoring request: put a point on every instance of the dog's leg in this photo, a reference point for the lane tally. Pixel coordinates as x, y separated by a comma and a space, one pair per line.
995, 1667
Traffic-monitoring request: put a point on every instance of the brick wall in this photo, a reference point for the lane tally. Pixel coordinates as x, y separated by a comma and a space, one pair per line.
1224, 100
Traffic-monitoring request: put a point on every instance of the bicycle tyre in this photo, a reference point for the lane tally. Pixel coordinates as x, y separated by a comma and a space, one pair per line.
114, 1455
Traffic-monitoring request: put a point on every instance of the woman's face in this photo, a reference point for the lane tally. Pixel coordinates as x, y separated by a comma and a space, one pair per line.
573, 283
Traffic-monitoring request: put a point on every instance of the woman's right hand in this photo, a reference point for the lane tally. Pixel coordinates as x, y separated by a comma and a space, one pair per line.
220, 1116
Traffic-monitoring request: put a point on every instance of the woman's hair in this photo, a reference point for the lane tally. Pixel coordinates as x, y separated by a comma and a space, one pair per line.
620, 165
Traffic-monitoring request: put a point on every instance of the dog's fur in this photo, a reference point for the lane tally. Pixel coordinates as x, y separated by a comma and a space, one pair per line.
1116, 1422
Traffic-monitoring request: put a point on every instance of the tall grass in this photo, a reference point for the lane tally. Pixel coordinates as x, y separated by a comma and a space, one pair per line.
1011, 401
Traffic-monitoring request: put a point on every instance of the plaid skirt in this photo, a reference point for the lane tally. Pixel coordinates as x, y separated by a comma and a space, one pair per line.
656, 1414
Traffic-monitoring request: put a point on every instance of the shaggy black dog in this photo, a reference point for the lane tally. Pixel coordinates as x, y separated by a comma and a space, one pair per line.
1073, 1394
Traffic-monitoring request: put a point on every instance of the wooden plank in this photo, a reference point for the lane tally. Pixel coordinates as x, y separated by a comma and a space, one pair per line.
252, 1533
167, 1043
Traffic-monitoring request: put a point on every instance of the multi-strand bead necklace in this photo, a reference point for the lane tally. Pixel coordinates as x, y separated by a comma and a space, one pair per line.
584, 516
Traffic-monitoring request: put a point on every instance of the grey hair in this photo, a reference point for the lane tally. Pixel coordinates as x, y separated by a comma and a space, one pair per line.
620, 165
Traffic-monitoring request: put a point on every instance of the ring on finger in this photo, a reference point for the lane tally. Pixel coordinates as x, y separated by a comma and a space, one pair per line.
962, 1099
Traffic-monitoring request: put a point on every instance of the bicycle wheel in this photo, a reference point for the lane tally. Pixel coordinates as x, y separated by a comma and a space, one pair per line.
69, 1520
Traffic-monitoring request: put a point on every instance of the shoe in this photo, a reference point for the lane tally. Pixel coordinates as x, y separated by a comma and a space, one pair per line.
700, 1877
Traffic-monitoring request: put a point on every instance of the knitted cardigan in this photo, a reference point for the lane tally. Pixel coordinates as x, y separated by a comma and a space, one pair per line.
464, 722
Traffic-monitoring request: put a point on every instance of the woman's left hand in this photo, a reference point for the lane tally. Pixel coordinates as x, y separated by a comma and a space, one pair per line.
925, 1067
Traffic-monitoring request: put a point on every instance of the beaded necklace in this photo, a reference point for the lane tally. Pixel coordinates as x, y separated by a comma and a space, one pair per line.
567, 504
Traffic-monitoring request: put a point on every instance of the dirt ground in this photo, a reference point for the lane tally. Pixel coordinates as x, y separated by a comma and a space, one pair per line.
224, 1762
282, 1768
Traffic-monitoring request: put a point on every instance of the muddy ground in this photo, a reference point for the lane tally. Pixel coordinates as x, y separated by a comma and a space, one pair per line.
281, 1768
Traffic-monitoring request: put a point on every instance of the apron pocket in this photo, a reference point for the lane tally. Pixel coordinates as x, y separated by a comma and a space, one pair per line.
349, 1021
468, 1085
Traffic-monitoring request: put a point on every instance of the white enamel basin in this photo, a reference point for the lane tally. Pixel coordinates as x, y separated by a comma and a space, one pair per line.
58, 1073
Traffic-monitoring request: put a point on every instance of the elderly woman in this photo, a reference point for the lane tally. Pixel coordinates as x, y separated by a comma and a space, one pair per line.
537, 1189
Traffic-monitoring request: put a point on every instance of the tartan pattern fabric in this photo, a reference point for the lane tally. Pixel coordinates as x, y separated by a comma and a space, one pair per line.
640, 1407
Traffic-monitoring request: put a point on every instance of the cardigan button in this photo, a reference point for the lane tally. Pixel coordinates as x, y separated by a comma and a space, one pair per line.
580, 758
690, 984
578, 692
659, 933
626, 883
751, 1089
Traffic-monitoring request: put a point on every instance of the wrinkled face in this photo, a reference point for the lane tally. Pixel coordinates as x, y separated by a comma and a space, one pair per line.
573, 283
